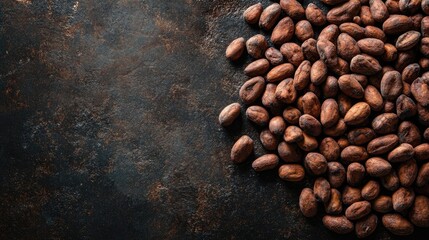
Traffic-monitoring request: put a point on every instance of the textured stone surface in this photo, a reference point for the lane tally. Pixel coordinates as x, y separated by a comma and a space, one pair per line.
109, 127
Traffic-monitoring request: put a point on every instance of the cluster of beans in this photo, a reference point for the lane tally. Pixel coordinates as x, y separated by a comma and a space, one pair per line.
348, 108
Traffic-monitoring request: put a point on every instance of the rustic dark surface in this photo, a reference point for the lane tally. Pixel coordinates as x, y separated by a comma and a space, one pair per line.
108, 126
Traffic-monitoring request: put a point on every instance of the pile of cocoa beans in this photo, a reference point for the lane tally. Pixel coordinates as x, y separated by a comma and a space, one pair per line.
343, 98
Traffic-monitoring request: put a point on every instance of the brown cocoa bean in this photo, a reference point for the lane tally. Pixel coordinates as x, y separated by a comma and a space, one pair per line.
334, 206
405, 107
390, 53
283, 31
280, 72
265, 162
423, 113
318, 72
229, 114
291, 115
378, 167
419, 213
421, 152
242, 149
355, 174
423, 175
336, 174
289, 153
424, 29
329, 113
291, 172
352, 29
365, 16
364, 64
235, 49
258, 115
404, 59
366, 226
408, 132
311, 104
357, 114
344, 104
302, 75
420, 91
309, 49
293, 9
397, 224
382, 144
370, 190
327, 52
252, 90
338, 224
274, 56
385, 123
358, 210
375, 32
269, 99
257, 68
397, 24
343, 143
351, 195
251, 14
308, 203
277, 125
392, 6
373, 97
378, 10
256, 46
293, 134
424, 46
407, 172
354, 154
337, 130
269, 16
293, 53
344, 12
371, 46
304, 30
330, 87
350, 86
409, 6
268, 140
329, 33
390, 181
347, 46
286, 92
382, 204
322, 189
391, 85
315, 15
330, 149
402, 199
401, 153
407, 40
360, 136
315, 163
310, 125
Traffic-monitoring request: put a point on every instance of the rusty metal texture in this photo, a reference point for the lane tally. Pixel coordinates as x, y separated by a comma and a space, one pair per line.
109, 127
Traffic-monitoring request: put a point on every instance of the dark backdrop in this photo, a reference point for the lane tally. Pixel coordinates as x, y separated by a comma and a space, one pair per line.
108, 125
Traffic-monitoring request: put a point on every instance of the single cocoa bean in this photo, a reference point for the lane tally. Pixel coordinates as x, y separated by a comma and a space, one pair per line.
407, 172
315, 15
308, 203
338, 224
277, 125
274, 56
280, 72
256, 46
257, 68
385, 123
344, 12
311, 104
252, 90
318, 72
405, 107
304, 30
382, 204
251, 14
347, 46
419, 213
329, 33
293, 9
309, 49
336, 174
397, 24
390, 181
360, 136
258, 115
310, 125
371, 46
289, 153
334, 206
330, 87
351, 195
265, 162
357, 114
354, 30
401, 153
293, 134
322, 189
408, 132
242, 149
293, 53
391, 85
291, 172
378, 10
366, 226
358, 210
292, 115
370, 190
283, 31
407, 40
402, 199
235, 49
378, 167
382, 144
268, 140
423, 175
315, 163
355, 174
364, 64
397, 224
350, 86
228, 115
269, 16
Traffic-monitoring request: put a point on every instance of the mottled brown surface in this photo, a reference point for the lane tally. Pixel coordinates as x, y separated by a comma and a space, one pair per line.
109, 126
